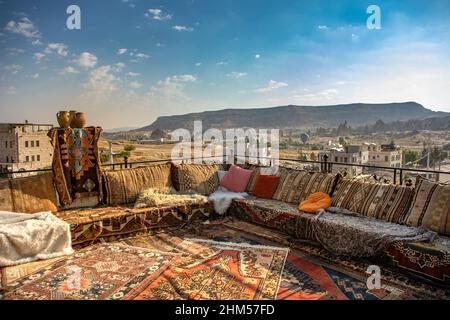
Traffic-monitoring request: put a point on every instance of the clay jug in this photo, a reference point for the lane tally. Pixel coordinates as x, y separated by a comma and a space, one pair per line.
63, 118
72, 116
79, 120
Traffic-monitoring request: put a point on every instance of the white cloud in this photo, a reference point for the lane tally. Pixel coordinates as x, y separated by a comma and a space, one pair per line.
135, 84
182, 28
122, 51
34, 76
257, 56
220, 63
170, 91
60, 48
142, 56
322, 27
68, 69
198, 64
24, 27
118, 67
39, 56
15, 51
237, 75
182, 78
102, 80
13, 68
272, 85
37, 42
133, 74
87, 60
157, 14
9, 91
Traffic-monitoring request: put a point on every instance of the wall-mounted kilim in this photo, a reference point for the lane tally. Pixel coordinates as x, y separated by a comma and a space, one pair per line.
76, 165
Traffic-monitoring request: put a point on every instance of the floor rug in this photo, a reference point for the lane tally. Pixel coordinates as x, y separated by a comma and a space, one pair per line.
211, 270
310, 272
101, 272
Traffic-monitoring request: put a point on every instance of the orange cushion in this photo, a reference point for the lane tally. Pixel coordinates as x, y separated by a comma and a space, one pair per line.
314, 202
266, 186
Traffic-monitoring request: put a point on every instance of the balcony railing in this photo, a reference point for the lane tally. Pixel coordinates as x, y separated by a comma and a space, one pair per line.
396, 175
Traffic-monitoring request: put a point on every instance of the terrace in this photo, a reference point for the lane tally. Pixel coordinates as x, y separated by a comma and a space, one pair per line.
261, 247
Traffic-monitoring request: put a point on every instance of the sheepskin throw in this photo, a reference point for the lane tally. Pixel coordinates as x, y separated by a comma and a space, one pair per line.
223, 198
161, 198
29, 237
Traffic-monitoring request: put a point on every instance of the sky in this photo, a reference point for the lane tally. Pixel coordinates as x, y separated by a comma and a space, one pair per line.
135, 60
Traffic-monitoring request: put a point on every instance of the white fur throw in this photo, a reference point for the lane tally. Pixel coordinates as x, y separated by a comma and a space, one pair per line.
159, 198
29, 237
222, 199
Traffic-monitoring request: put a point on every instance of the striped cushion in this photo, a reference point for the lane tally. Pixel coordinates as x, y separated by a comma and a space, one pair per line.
296, 185
199, 178
123, 186
381, 201
290, 187
431, 207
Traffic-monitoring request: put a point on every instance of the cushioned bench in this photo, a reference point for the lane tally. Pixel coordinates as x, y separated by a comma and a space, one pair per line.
112, 222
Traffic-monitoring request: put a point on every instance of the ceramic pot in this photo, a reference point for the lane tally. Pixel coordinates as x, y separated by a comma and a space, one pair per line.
72, 116
79, 120
63, 118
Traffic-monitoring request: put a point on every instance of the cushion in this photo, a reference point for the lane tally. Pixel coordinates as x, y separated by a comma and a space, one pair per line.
296, 185
381, 201
265, 186
123, 186
430, 207
34, 194
257, 170
236, 179
315, 202
200, 178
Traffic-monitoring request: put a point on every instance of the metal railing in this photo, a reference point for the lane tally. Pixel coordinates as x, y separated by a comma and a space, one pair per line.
398, 176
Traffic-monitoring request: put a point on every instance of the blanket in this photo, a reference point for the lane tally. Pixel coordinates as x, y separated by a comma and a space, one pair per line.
223, 198
29, 237
346, 233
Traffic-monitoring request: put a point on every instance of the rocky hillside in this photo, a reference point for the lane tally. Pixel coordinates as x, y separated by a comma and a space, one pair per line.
356, 115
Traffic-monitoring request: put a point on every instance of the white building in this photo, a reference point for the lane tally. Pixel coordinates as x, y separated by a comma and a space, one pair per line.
24, 146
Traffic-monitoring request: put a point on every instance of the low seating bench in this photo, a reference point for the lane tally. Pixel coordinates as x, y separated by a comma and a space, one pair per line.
117, 218
431, 260
109, 223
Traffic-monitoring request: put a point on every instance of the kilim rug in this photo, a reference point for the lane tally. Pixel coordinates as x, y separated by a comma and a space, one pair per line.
211, 270
101, 272
310, 272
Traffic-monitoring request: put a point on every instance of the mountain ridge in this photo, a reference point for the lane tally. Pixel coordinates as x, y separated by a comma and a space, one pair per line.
293, 116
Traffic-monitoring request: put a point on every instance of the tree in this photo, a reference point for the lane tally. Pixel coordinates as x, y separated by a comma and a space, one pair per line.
342, 141
411, 156
129, 148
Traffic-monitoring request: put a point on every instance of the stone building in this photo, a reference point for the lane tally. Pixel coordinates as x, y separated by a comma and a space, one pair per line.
24, 146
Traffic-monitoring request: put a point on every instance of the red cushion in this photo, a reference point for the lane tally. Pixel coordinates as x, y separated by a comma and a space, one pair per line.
236, 179
266, 186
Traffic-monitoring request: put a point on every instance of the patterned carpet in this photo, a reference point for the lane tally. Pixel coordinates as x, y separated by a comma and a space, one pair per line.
183, 266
